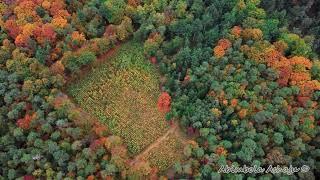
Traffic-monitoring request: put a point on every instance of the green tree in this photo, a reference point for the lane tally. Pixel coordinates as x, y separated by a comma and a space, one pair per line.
114, 10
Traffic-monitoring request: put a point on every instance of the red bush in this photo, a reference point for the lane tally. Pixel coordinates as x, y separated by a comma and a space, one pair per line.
28, 177
153, 60
164, 102
24, 123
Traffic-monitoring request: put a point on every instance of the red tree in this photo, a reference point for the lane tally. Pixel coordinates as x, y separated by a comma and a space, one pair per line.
153, 60
164, 102
24, 123
13, 29
44, 32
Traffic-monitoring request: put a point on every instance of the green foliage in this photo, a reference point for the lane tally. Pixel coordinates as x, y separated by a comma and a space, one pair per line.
297, 46
73, 62
278, 138
114, 10
235, 102
299, 16
315, 70
247, 151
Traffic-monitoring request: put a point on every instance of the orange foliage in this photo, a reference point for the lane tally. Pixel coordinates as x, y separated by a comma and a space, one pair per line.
221, 151
155, 37
299, 78
109, 178
21, 40
292, 71
234, 102
46, 4
59, 22
24, 123
12, 27
76, 36
218, 51
272, 56
99, 129
91, 177
134, 3
281, 46
98, 143
44, 32
254, 34
307, 88
284, 76
57, 68
224, 43
62, 13
164, 102
302, 61
27, 29
56, 5
242, 113
236, 31
283, 62
289, 73
253, 53
225, 102
25, 9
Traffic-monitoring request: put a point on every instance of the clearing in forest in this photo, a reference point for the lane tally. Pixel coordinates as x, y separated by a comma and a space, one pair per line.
123, 94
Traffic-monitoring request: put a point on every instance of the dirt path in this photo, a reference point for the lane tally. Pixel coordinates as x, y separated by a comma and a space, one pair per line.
173, 131
103, 57
155, 144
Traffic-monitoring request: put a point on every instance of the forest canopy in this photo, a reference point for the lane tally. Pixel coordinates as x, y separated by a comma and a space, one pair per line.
241, 78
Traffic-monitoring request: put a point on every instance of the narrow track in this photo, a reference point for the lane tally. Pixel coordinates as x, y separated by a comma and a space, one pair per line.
172, 131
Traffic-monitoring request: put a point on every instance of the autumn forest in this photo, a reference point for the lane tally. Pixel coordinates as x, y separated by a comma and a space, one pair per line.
160, 89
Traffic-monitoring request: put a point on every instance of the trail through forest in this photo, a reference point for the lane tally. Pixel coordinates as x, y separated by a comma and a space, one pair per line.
155, 144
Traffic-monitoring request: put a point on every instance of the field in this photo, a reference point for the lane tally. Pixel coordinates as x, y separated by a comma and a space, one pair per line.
123, 94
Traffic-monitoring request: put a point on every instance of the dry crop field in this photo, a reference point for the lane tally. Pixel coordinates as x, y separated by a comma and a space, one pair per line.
123, 94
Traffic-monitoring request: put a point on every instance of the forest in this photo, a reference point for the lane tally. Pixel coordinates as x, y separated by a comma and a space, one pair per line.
159, 89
